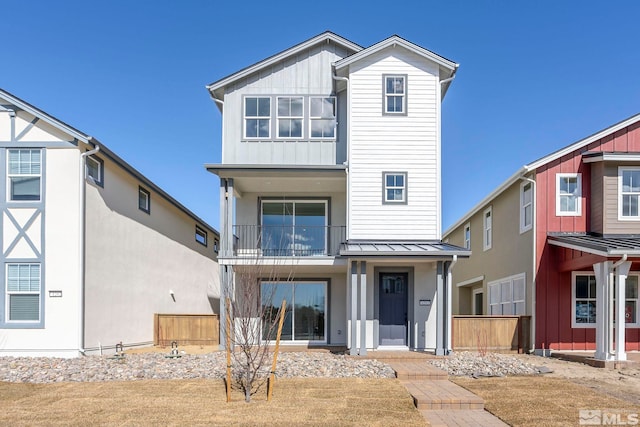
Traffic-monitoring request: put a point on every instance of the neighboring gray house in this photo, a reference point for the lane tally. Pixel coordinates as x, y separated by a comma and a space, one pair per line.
331, 169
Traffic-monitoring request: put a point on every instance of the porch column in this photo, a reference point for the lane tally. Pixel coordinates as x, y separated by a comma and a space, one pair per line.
363, 308
225, 250
440, 310
601, 269
621, 278
353, 348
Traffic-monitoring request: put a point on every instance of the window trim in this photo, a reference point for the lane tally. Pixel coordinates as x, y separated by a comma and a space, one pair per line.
466, 238
385, 111
39, 323
245, 118
578, 211
320, 118
279, 117
9, 175
622, 217
147, 208
100, 181
405, 188
524, 227
511, 279
474, 293
201, 232
487, 231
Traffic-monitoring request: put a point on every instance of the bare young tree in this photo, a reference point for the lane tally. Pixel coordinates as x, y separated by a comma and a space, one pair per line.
253, 310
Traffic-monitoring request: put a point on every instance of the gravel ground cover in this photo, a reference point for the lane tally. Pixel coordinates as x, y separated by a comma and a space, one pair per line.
489, 365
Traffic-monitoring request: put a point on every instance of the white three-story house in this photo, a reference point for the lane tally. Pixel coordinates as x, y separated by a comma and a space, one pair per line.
331, 174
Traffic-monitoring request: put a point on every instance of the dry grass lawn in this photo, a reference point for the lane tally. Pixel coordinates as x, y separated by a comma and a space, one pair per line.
540, 401
306, 402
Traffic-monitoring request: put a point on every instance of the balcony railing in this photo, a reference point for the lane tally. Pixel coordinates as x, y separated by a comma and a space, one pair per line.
287, 240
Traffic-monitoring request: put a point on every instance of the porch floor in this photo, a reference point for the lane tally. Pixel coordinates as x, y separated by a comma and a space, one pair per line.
587, 357
441, 402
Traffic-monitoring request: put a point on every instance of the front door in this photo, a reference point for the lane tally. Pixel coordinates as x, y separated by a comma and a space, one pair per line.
393, 308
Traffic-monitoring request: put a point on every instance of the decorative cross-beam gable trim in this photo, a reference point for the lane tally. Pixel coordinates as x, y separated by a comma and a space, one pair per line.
26, 130
22, 233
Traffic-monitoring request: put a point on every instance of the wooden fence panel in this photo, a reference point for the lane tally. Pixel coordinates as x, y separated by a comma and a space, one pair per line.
491, 333
186, 329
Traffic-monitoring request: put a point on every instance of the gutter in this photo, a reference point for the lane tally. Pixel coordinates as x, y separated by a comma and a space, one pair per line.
348, 132
534, 190
81, 242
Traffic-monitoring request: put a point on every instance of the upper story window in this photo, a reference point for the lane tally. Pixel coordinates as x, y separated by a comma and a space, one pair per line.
23, 292
568, 192
201, 235
322, 117
144, 200
487, 221
467, 236
395, 187
23, 174
526, 206
395, 94
290, 117
629, 193
294, 227
257, 117
95, 170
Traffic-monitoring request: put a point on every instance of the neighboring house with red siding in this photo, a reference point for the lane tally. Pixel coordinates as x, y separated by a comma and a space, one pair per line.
582, 204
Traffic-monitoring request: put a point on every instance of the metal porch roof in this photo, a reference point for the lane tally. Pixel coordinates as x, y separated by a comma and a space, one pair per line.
429, 248
598, 245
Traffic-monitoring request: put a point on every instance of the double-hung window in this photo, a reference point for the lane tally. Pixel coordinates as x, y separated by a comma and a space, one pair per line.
257, 117
201, 235
526, 206
629, 193
144, 200
395, 187
322, 117
467, 236
487, 221
23, 292
568, 189
290, 117
395, 94
23, 174
95, 170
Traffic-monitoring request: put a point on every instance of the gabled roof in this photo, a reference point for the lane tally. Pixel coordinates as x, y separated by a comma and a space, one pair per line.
526, 169
396, 40
598, 245
89, 140
320, 38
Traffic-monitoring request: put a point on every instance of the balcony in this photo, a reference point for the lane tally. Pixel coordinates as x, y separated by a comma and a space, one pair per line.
287, 240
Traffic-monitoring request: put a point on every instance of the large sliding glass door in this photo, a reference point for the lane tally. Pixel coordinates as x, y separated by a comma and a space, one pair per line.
294, 228
305, 314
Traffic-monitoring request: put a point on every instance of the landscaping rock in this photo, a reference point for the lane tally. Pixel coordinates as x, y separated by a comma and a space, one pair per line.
477, 365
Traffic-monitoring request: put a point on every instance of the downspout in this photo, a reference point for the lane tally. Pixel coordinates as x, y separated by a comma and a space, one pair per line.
81, 242
449, 323
348, 130
533, 263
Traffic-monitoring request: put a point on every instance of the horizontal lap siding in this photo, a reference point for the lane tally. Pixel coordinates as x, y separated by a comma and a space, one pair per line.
382, 143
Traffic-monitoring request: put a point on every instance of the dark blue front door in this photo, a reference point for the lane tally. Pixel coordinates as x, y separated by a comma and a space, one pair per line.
393, 308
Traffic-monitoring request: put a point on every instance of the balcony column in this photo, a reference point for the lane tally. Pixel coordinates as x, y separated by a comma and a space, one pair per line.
226, 250
441, 314
621, 280
601, 269
363, 308
353, 285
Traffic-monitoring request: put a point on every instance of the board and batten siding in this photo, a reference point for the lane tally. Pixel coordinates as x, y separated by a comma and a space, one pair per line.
307, 73
382, 143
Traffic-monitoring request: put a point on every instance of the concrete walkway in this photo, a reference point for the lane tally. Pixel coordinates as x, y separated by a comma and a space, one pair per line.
441, 402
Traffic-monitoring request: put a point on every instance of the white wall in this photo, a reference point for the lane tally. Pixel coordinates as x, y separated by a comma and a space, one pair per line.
382, 143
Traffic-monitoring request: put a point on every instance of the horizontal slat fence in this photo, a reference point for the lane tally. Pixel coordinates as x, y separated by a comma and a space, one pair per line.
186, 329
491, 333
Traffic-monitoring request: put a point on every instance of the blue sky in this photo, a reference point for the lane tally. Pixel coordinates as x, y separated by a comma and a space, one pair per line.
533, 76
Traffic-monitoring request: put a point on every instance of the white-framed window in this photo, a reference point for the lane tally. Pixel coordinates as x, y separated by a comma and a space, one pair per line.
395, 94
467, 236
507, 296
526, 206
294, 227
568, 194
306, 316
23, 292
257, 117
583, 300
487, 227
290, 116
95, 170
322, 117
201, 235
477, 304
144, 200
394, 187
628, 193
24, 172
